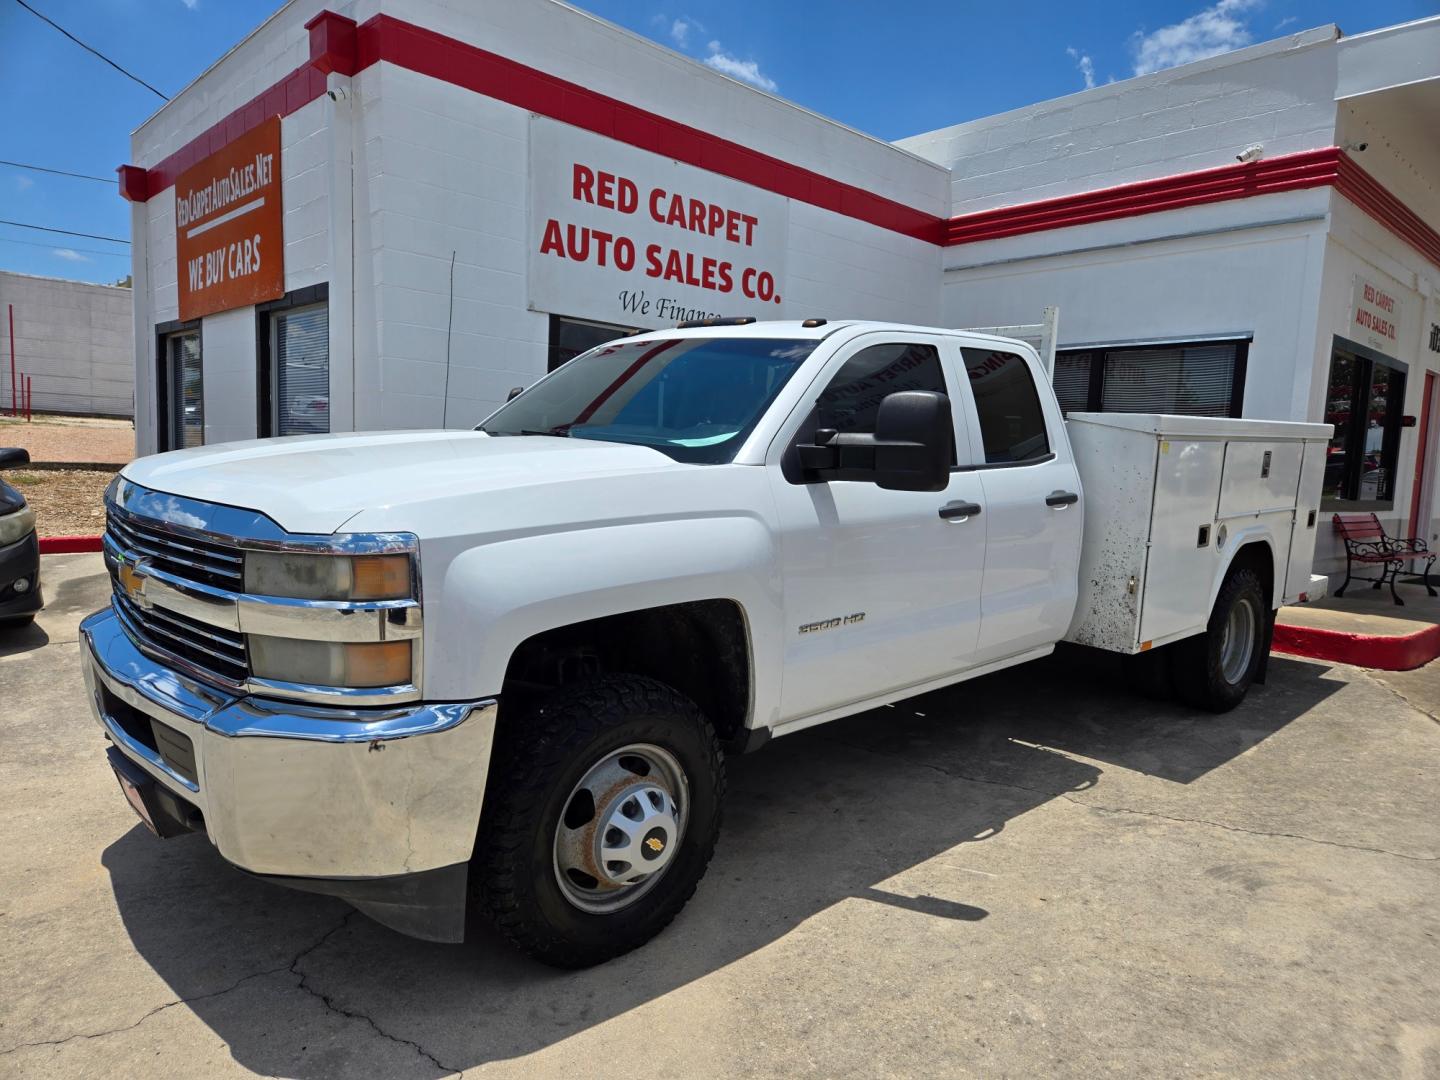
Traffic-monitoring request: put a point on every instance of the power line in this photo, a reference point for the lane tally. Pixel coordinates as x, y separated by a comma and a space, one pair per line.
89, 49
87, 251
59, 172
65, 232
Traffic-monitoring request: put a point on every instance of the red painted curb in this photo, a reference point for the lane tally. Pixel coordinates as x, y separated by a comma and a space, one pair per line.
65, 545
1397, 653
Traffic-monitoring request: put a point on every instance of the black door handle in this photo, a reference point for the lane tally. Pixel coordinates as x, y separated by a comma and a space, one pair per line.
959, 510
1061, 498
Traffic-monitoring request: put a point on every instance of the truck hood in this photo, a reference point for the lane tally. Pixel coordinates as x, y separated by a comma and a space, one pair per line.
316, 483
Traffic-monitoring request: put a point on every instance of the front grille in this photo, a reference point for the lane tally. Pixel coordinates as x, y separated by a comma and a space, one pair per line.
211, 651
206, 561
211, 648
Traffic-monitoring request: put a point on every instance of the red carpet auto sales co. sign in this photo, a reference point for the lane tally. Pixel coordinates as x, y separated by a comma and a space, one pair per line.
630, 237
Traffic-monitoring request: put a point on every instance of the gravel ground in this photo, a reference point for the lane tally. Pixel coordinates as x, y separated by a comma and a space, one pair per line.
67, 503
72, 438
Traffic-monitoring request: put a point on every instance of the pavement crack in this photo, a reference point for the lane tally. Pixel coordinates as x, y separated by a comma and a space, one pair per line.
84, 1035
330, 1005
1250, 832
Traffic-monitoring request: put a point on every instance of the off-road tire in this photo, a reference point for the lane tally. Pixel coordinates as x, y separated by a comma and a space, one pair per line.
538, 760
1196, 665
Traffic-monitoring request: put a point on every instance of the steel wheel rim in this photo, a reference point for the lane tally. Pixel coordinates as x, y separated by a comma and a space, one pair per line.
620, 828
1237, 646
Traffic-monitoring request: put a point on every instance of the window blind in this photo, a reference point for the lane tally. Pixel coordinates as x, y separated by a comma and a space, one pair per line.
1072, 381
302, 367
1191, 381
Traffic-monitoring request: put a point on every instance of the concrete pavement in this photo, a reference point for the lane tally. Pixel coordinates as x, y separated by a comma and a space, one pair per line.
1031, 874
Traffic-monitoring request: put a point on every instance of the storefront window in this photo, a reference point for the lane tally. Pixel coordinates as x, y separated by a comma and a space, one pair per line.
571, 337
302, 371
1189, 379
1364, 401
294, 342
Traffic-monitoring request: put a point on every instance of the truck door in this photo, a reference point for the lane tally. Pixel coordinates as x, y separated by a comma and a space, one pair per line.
1032, 499
881, 592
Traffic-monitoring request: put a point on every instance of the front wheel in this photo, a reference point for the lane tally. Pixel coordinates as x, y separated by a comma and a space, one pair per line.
1214, 670
602, 815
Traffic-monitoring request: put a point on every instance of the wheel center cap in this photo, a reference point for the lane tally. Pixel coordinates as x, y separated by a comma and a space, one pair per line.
636, 834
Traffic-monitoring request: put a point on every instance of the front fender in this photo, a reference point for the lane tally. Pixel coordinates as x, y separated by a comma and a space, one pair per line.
492, 597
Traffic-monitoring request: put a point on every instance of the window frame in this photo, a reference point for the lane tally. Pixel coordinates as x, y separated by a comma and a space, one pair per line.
1366, 359
981, 452
266, 373
164, 421
1099, 350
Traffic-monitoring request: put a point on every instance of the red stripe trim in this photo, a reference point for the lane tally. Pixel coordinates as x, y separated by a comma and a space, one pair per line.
290, 94
65, 545
1366, 192
1291, 172
1397, 653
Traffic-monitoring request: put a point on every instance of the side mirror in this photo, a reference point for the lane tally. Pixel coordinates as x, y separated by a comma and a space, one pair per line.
14, 455
515, 391
913, 432
910, 450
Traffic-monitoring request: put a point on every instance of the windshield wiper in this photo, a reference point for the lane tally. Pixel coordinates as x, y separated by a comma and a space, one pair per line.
559, 431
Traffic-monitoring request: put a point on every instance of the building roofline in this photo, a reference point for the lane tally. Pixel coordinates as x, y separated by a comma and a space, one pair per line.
1327, 33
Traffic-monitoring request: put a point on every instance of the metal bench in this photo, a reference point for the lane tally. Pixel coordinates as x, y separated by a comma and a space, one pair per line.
1366, 542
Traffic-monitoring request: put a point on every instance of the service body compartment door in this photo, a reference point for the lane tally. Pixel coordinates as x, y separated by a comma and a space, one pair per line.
1260, 478
1183, 558
1307, 515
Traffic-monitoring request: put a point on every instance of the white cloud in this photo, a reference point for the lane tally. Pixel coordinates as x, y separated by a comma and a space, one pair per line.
70, 255
681, 29
1084, 65
24, 183
744, 70
1218, 29
191, 4
1287, 21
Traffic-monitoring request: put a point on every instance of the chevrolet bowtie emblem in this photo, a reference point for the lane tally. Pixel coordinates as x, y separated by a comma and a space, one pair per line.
655, 844
130, 574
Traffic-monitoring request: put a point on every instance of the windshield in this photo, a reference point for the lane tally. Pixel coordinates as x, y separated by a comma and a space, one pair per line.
695, 399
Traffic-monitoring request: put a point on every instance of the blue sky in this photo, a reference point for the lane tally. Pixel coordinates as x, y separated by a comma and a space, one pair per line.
892, 69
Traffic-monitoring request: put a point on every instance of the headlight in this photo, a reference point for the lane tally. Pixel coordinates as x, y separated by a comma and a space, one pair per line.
17, 525
330, 663
327, 577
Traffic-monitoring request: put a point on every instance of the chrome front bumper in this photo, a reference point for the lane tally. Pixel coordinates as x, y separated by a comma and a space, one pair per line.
294, 790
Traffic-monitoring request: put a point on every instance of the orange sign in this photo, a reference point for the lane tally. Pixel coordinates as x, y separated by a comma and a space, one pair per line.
228, 235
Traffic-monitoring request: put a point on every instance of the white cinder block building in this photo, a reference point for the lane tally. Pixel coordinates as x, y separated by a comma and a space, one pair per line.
75, 342
387, 213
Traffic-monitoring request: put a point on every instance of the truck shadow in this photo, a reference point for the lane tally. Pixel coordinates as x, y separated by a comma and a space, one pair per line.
299, 985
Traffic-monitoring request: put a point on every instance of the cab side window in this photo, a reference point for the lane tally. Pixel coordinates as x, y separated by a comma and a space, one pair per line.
852, 399
1012, 424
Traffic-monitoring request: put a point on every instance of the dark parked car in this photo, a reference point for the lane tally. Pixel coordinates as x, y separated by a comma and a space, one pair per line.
20, 596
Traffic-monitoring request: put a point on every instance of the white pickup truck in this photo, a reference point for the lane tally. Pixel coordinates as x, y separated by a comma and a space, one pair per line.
503, 667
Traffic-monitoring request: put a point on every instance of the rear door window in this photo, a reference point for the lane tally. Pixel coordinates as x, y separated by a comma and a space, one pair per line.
1012, 423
